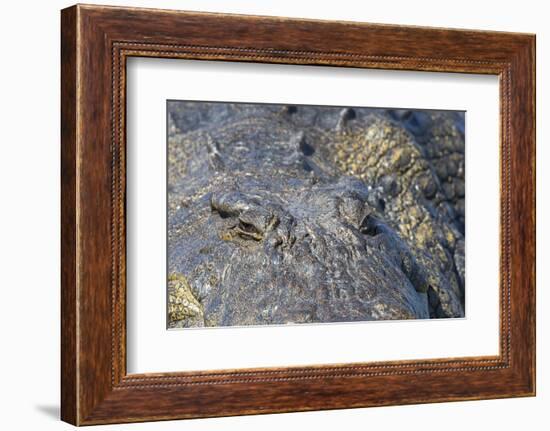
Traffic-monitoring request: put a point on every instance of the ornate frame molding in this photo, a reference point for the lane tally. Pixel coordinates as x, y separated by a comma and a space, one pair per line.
96, 41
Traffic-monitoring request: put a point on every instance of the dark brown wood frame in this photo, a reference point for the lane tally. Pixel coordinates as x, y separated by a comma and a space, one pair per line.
95, 43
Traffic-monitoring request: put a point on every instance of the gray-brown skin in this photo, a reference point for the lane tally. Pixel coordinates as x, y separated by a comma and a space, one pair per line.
295, 214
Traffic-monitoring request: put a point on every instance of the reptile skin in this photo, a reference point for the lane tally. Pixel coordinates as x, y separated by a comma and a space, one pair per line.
300, 214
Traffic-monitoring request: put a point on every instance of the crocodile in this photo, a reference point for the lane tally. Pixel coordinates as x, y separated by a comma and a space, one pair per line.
281, 214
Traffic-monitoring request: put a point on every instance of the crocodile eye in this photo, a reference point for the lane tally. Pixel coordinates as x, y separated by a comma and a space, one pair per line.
247, 227
250, 219
248, 231
370, 226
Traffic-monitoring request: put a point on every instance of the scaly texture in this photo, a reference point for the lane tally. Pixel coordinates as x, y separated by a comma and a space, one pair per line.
286, 214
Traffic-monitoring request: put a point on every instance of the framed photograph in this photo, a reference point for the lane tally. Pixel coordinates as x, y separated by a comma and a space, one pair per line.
264, 214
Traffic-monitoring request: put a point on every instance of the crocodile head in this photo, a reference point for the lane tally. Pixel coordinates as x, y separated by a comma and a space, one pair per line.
266, 226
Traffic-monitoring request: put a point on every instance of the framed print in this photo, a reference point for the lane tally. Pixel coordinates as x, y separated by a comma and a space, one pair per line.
265, 214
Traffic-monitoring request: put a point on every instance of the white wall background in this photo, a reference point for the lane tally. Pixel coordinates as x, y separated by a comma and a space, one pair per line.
29, 214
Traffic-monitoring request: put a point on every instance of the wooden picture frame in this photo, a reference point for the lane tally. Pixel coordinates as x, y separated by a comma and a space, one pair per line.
95, 43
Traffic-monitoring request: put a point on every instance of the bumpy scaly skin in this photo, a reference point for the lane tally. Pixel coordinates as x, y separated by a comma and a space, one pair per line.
307, 214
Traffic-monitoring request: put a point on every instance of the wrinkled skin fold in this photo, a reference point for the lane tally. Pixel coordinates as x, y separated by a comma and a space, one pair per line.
285, 214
